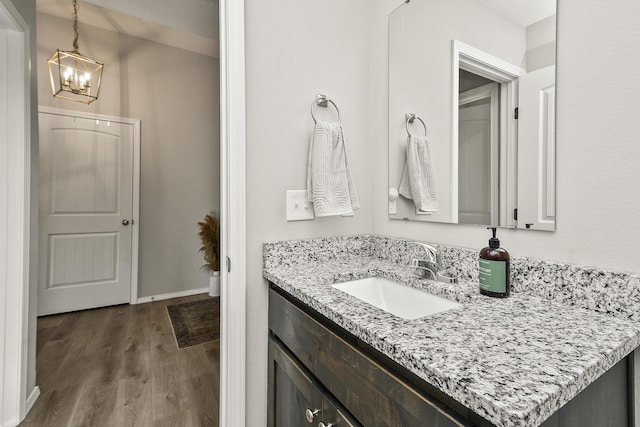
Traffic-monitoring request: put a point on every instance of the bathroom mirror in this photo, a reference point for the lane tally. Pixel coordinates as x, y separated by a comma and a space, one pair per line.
473, 82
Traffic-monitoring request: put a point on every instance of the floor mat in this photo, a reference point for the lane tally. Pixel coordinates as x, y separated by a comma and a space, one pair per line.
195, 322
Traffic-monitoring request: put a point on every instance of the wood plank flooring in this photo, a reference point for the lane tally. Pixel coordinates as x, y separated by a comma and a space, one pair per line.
120, 366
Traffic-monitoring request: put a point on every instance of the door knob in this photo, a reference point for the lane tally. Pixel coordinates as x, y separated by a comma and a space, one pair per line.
311, 414
125, 222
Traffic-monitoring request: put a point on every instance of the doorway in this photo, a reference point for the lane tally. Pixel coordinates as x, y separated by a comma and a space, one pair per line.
179, 173
473, 66
14, 204
15, 159
478, 151
173, 91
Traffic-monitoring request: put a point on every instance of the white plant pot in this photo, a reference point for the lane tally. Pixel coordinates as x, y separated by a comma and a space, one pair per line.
214, 284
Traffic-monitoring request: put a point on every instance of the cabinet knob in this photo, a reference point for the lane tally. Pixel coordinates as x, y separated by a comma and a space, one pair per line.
311, 414
321, 424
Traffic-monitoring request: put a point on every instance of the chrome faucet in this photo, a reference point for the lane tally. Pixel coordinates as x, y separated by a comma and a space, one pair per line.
428, 267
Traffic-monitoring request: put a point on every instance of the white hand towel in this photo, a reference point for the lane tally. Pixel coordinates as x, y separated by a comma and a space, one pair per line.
418, 178
329, 183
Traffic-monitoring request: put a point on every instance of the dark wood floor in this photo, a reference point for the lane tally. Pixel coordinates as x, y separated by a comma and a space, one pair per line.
120, 366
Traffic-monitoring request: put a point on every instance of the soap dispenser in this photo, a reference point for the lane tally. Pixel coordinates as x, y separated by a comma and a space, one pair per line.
494, 268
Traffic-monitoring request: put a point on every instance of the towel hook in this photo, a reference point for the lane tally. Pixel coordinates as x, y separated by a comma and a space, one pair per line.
411, 117
323, 101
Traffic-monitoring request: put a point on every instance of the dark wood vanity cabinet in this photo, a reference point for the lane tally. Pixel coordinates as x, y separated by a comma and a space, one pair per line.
316, 365
312, 367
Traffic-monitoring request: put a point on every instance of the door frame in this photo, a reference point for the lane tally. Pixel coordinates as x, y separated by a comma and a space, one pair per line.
135, 229
233, 205
233, 322
15, 209
483, 64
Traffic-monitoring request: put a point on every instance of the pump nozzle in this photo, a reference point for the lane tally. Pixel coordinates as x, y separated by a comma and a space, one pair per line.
494, 242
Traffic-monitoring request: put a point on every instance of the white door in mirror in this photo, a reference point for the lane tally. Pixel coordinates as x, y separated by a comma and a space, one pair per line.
536, 150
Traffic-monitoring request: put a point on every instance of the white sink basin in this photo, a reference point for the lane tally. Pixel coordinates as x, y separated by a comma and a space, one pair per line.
403, 301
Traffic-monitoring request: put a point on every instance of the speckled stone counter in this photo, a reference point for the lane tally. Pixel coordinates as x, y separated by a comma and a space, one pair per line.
514, 361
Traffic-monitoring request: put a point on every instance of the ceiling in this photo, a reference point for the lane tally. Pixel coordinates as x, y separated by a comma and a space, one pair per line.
193, 24
190, 25
524, 12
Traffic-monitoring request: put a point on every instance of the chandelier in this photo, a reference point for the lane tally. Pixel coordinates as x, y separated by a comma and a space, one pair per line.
75, 76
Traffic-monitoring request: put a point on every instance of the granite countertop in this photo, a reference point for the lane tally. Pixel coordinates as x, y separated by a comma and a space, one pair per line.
514, 361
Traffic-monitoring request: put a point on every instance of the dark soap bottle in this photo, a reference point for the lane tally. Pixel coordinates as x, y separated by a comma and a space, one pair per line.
494, 269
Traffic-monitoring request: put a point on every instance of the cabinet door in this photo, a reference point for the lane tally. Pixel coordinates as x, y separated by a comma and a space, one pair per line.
291, 392
334, 415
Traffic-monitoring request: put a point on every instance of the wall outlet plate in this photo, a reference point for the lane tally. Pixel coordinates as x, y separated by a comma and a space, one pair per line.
298, 208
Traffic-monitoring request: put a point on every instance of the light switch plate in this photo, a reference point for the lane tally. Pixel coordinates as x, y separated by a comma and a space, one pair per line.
298, 208
393, 198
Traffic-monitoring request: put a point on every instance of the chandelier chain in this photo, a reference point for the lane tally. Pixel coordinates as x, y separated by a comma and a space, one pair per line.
75, 25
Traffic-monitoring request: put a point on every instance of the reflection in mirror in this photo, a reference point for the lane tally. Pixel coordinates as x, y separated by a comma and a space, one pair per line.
481, 75
478, 148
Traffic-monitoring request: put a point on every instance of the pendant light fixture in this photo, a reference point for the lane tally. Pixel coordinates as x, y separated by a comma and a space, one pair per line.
74, 76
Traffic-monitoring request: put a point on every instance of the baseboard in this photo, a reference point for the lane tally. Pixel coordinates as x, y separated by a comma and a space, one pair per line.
31, 400
170, 295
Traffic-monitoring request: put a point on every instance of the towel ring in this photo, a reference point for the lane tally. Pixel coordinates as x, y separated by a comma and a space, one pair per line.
322, 101
411, 117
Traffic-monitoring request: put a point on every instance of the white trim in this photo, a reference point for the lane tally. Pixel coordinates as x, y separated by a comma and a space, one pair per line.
485, 65
135, 213
135, 216
509, 153
455, 106
15, 149
170, 295
31, 400
468, 58
233, 328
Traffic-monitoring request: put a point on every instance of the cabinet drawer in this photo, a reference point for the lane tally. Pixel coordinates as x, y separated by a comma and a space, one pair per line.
372, 394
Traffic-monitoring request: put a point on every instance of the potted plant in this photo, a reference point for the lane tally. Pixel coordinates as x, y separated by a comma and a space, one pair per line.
210, 237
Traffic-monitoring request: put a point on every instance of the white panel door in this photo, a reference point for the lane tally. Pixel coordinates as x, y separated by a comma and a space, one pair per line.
536, 150
86, 182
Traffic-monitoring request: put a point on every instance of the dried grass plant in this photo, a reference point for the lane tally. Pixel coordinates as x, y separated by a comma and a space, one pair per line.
210, 236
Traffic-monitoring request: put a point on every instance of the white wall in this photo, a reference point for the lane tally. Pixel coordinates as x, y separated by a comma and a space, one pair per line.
198, 17
541, 44
294, 50
598, 191
176, 95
